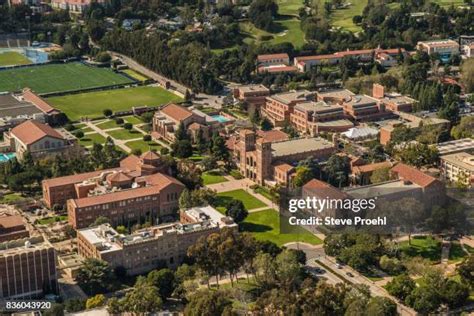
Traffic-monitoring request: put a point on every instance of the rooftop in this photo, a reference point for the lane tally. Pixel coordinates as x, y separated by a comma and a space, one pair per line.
176, 112
312, 106
13, 107
31, 131
271, 56
341, 94
454, 146
360, 132
359, 99
273, 135
462, 160
299, 145
414, 175
381, 189
440, 43
253, 88
293, 96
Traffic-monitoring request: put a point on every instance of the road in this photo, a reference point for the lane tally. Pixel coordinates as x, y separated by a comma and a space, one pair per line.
317, 253
214, 101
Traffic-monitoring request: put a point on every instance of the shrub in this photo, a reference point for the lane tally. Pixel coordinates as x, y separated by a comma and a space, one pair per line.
236, 174
79, 134
107, 112
128, 126
119, 120
146, 138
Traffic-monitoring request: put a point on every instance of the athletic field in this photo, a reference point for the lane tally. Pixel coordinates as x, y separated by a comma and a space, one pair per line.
93, 104
13, 59
59, 77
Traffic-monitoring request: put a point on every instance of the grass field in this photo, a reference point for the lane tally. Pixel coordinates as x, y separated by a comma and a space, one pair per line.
124, 134
11, 198
456, 253
133, 119
50, 220
250, 202
90, 139
107, 124
143, 146
93, 103
289, 30
264, 225
289, 7
13, 59
212, 177
343, 17
135, 75
59, 77
422, 246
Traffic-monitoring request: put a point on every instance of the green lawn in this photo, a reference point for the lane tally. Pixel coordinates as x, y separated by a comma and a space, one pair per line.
92, 104
264, 225
135, 120
135, 75
423, 246
107, 124
448, 3
59, 77
456, 253
143, 146
250, 202
13, 59
289, 7
212, 177
288, 30
11, 198
123, 134
343, 17
90, 139
49, 220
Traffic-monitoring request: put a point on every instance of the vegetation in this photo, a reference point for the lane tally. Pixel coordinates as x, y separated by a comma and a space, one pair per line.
92, 104
59, 77
13, 58
249, 201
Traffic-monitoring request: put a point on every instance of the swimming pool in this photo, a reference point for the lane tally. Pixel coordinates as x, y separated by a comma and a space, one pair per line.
220, 118
6, 157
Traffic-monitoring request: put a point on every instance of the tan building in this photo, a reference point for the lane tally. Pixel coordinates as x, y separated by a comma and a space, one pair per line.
74, 6
270, 162
311, 117
273, 59
12, 227
409, 121
27, 268
458, 168
153, 247
334, 96
364, 108
394, 102
441, 47
278, 107
254, 95
38, 139
167, 120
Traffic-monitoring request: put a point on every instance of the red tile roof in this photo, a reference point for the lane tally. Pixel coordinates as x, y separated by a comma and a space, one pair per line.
273, 135
31, 131
272, 56
322, 189
40, 103
371, 167
284, 167
277, 69
405, 172
75, 178
156, 182
176, 112
130, 162
10, 221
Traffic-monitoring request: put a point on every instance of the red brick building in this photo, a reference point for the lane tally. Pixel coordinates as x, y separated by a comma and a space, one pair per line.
12, 227
279, 107
135, 192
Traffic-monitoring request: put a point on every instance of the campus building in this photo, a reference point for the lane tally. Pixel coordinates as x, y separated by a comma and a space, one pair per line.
153, 247
137, 191
363, 108
279, 107
38, 139
385, 57
272, 162
166, 122
458, 168
12, 227
408, 120
394, 102
311, 118
27, 268
17, 108
445, 48
74, 6
254, 95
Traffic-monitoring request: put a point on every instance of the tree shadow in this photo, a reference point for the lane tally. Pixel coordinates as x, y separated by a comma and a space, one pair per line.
255, 228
